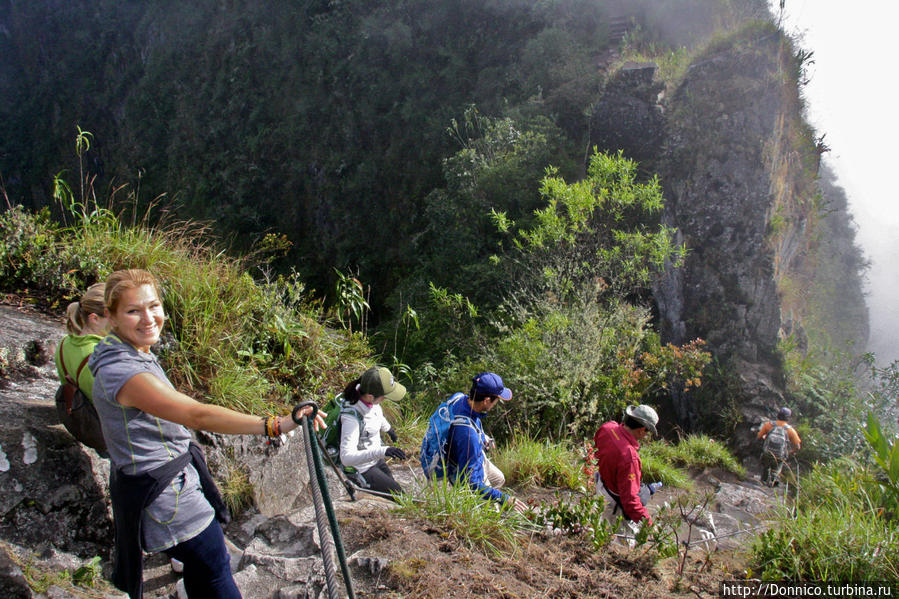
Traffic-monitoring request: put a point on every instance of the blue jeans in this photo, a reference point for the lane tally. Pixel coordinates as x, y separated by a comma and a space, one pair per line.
207, 565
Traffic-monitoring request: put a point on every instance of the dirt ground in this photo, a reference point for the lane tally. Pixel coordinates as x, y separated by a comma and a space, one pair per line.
424, 561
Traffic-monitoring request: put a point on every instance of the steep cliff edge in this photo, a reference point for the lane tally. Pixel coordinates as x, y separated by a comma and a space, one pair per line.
740, 168
717, 176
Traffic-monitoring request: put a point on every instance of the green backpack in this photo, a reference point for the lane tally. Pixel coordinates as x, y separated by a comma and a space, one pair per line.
330, 436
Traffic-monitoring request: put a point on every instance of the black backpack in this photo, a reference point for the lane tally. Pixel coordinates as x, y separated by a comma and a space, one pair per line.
76, 412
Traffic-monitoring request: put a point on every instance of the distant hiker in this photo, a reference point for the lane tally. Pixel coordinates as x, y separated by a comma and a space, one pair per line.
465, 457
620, 472
361, 423
781, 441
86, 325
163, 497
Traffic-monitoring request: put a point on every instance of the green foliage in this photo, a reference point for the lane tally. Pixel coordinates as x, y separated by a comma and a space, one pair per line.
573, 350
496, 170
694, 451
350, 304
581, 518
837, 532
527, 462
238, 342
466, 517
825, 387
561, 335
598, 233
886, 454
89, 574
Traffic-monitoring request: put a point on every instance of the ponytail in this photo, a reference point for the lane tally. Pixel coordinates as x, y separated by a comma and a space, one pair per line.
74, 318
351, 393
90, 303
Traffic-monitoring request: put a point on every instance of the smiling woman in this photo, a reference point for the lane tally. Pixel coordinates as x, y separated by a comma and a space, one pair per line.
137, 316
162, 495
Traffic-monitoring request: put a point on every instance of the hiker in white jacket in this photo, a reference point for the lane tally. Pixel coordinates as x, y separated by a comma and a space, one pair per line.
361, 423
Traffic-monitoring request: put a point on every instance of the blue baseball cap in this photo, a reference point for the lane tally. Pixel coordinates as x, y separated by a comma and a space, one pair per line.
489, 383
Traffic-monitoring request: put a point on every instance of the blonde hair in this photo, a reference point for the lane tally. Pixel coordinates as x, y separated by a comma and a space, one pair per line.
92, 302
122, 280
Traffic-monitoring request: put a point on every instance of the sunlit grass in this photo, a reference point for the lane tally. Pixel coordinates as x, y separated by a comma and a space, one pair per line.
255, 345
694, 451
526, 462
466, 517
658, 469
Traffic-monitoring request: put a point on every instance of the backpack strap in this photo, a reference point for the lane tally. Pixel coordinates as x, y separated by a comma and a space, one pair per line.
62, 362
80, 368
69, 396
354, 412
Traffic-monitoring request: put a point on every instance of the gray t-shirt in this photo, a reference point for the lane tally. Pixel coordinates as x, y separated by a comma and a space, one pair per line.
139, 442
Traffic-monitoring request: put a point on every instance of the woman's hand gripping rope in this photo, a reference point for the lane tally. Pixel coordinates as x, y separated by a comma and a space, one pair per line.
309, 408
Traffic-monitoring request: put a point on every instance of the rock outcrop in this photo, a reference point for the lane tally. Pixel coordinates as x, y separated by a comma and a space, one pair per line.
738, 175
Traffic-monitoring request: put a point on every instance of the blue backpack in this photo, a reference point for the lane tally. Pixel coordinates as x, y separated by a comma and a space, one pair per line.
433, 446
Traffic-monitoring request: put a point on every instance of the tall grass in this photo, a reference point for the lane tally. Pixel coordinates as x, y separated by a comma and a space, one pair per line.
254, 345
837, 531
527, 462
466, 517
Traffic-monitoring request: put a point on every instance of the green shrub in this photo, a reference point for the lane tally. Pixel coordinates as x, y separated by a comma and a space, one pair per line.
584, 517
37, 255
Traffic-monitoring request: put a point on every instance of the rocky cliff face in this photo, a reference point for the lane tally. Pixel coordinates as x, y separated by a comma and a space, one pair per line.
738, 188
717, 178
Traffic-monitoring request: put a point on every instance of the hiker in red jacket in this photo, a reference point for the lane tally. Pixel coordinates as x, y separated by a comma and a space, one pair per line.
620, 471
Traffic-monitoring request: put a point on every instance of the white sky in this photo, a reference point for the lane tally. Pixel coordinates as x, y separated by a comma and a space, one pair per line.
851, 98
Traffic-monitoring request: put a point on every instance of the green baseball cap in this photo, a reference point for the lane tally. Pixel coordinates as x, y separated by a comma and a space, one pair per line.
378, 381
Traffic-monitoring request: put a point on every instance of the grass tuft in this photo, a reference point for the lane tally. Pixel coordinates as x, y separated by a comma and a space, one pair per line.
466, 517
526, 462
694, 451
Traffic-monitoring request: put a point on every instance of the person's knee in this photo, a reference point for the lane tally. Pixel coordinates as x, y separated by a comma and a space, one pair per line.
495, 476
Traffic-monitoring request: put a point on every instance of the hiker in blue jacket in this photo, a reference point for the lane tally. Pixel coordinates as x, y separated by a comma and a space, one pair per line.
466, 443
